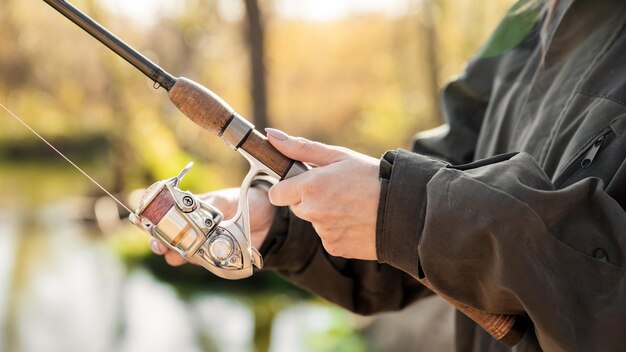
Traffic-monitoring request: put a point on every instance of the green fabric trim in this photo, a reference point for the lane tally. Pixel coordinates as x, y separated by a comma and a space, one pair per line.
512, 30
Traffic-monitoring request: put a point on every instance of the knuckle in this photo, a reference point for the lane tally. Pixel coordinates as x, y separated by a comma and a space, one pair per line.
309, 187
328, 236
313, 184
334, 215
297, 210
332, 237
333, 249
341, 150
310, 211
306, 146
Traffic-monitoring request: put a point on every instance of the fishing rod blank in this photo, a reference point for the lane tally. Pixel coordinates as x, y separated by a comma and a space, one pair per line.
149, 68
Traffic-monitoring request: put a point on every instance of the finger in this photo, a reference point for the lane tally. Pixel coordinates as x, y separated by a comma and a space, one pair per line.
158, 247
228, 209
302, 149
301, 213
286, 192
225, 204
174, 259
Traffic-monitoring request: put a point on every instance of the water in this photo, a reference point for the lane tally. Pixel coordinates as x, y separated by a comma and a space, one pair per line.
8, 248
64, 288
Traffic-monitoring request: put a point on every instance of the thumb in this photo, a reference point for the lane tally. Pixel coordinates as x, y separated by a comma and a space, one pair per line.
302, 149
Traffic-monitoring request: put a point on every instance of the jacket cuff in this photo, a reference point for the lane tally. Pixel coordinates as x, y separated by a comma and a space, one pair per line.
290, 243
402, 207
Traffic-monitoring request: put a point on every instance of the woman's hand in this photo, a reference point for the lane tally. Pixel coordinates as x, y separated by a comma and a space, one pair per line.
261, 216
339, 197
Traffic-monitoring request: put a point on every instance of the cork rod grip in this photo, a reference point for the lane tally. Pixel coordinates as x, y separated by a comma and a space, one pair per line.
210, 112
505, 328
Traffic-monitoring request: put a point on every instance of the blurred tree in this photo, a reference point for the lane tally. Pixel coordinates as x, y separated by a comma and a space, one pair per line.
256, 48
15, 63
431, 53
120, 153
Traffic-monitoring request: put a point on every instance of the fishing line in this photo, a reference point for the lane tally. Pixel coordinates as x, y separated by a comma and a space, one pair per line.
64, 157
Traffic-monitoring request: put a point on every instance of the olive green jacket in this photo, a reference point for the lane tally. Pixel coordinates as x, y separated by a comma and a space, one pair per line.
517, 207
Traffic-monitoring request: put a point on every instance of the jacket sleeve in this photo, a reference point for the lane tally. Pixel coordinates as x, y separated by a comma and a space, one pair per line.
294, 250
497, 236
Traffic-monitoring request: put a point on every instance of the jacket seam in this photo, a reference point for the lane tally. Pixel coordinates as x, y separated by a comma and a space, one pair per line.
602, 96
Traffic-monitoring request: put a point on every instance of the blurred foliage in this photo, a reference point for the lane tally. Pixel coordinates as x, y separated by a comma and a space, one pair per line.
516, 25
355, 81
339, 337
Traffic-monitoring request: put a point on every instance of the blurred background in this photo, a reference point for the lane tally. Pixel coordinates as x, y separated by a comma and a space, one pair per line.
76, 277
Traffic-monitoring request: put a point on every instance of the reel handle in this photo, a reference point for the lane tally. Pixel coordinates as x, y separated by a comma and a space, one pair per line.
506, 328
212, 113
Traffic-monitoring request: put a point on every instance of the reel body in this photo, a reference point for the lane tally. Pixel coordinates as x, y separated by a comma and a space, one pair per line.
197, 230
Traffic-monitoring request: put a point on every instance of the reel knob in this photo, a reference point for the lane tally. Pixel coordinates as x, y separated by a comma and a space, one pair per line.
221, 248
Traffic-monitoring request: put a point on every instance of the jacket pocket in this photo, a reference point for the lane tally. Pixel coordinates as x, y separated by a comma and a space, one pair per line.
585, 157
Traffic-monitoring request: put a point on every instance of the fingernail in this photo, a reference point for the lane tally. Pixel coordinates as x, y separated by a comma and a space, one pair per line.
155, 247
278, 134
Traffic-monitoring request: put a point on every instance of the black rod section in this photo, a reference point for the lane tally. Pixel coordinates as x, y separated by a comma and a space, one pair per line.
149, 68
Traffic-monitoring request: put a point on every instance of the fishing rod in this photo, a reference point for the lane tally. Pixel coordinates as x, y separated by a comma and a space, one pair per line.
198, 103
135, 58
179, 218
195, 229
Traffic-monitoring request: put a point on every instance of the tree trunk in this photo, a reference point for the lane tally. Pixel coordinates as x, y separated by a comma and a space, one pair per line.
256, 45
429, 33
